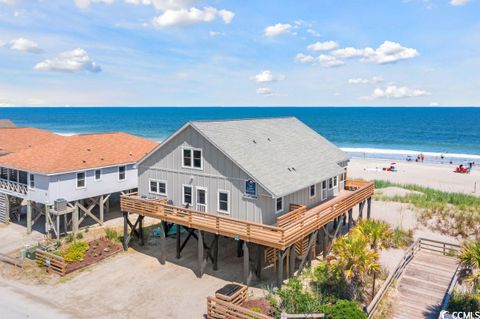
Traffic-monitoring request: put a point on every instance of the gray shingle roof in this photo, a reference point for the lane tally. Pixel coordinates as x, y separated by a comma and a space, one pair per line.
282, 154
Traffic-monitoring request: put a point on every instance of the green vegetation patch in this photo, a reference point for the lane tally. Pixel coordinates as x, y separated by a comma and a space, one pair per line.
75, 252
452, 213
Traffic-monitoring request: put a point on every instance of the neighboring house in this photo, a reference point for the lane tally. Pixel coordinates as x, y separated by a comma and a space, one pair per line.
67, 175
249, 169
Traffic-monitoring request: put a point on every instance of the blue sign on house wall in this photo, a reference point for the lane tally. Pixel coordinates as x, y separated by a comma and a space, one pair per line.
250, 189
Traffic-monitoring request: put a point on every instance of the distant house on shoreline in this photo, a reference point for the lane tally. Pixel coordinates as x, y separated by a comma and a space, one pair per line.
65, 179
249, 169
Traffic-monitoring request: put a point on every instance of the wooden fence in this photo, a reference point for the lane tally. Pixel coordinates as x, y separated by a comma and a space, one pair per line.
52, 262
298, 227
420, 244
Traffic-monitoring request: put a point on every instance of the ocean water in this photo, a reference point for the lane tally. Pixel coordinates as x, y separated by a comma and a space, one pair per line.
362, 131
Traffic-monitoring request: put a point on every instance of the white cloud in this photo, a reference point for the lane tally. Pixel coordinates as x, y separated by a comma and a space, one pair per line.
373, 80
303, 58
434, 104
458, 3
396, 92
277, 29
329, 61
267, 76
313, 32
25, 45
184, 17
264, 91
215, 33
347, 53
70, 61
387, 52
86, 3
323, 46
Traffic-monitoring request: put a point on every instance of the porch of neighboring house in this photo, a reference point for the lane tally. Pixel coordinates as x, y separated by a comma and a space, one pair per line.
56, 219
289, 245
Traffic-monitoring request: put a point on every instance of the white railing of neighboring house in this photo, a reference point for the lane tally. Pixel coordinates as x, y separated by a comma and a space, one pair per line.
15, 187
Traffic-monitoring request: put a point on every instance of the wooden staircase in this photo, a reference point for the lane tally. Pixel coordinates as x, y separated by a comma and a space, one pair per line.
423, 285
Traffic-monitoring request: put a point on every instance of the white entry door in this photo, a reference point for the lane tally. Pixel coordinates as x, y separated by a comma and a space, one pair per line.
201, 199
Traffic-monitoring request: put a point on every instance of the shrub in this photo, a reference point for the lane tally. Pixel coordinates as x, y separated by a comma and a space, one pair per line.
79, 236
402, 238
329, 281
345, 309
75, 252
293, 299
111, 234
465, 302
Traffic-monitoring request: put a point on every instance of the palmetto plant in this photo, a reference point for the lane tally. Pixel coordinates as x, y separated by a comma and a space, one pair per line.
470, 258
378, 234
356, 257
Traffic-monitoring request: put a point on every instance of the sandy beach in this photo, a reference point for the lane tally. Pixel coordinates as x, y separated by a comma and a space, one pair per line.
438, 176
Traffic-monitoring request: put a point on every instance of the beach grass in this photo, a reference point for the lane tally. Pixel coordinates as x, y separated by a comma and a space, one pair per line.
453, 213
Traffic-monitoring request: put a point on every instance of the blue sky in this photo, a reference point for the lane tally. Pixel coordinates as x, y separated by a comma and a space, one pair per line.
228, 53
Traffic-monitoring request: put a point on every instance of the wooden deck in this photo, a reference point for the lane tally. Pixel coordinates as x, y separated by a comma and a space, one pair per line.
423, 285
295, 225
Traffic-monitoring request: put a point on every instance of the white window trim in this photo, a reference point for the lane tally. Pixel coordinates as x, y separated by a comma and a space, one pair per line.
95, 175
228, 201
118, 173
158, 181
206, 195
84, 179
29, 183
183, 194
283, 204
328, 183
314, 191
191, 149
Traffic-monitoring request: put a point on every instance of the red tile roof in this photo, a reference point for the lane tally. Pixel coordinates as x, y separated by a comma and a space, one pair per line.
79, 152
18, 138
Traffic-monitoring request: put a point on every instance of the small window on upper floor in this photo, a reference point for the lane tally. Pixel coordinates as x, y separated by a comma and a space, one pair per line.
324, 185
98, 175
158, 187
335, 181
192, 158
31, 181
81, 180
313, 191
330, 183
122, 173
279, 205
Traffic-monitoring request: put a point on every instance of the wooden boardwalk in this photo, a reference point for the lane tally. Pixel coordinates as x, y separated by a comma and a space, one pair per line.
423, 285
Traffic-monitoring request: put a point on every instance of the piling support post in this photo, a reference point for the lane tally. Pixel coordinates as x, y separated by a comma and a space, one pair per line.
29, 216
200, 256
178, 238
246, 263
125, 230
369, 207
163, 257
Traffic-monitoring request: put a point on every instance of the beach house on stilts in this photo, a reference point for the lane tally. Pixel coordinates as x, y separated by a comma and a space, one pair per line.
274, 185
64, 180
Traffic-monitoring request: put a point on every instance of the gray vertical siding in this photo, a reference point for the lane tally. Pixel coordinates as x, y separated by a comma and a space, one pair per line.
218, 172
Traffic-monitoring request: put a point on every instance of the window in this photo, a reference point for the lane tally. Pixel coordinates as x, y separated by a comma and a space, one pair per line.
279, 204
313, 191
224, 202
335, 181
324, 184
187, 195
192, 158
3, 173
121, 173
98, 174
330, 183
158, 187
31, 181
81, 180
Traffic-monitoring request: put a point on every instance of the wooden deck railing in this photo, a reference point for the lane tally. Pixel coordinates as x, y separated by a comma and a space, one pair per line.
277, 237
14, 187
